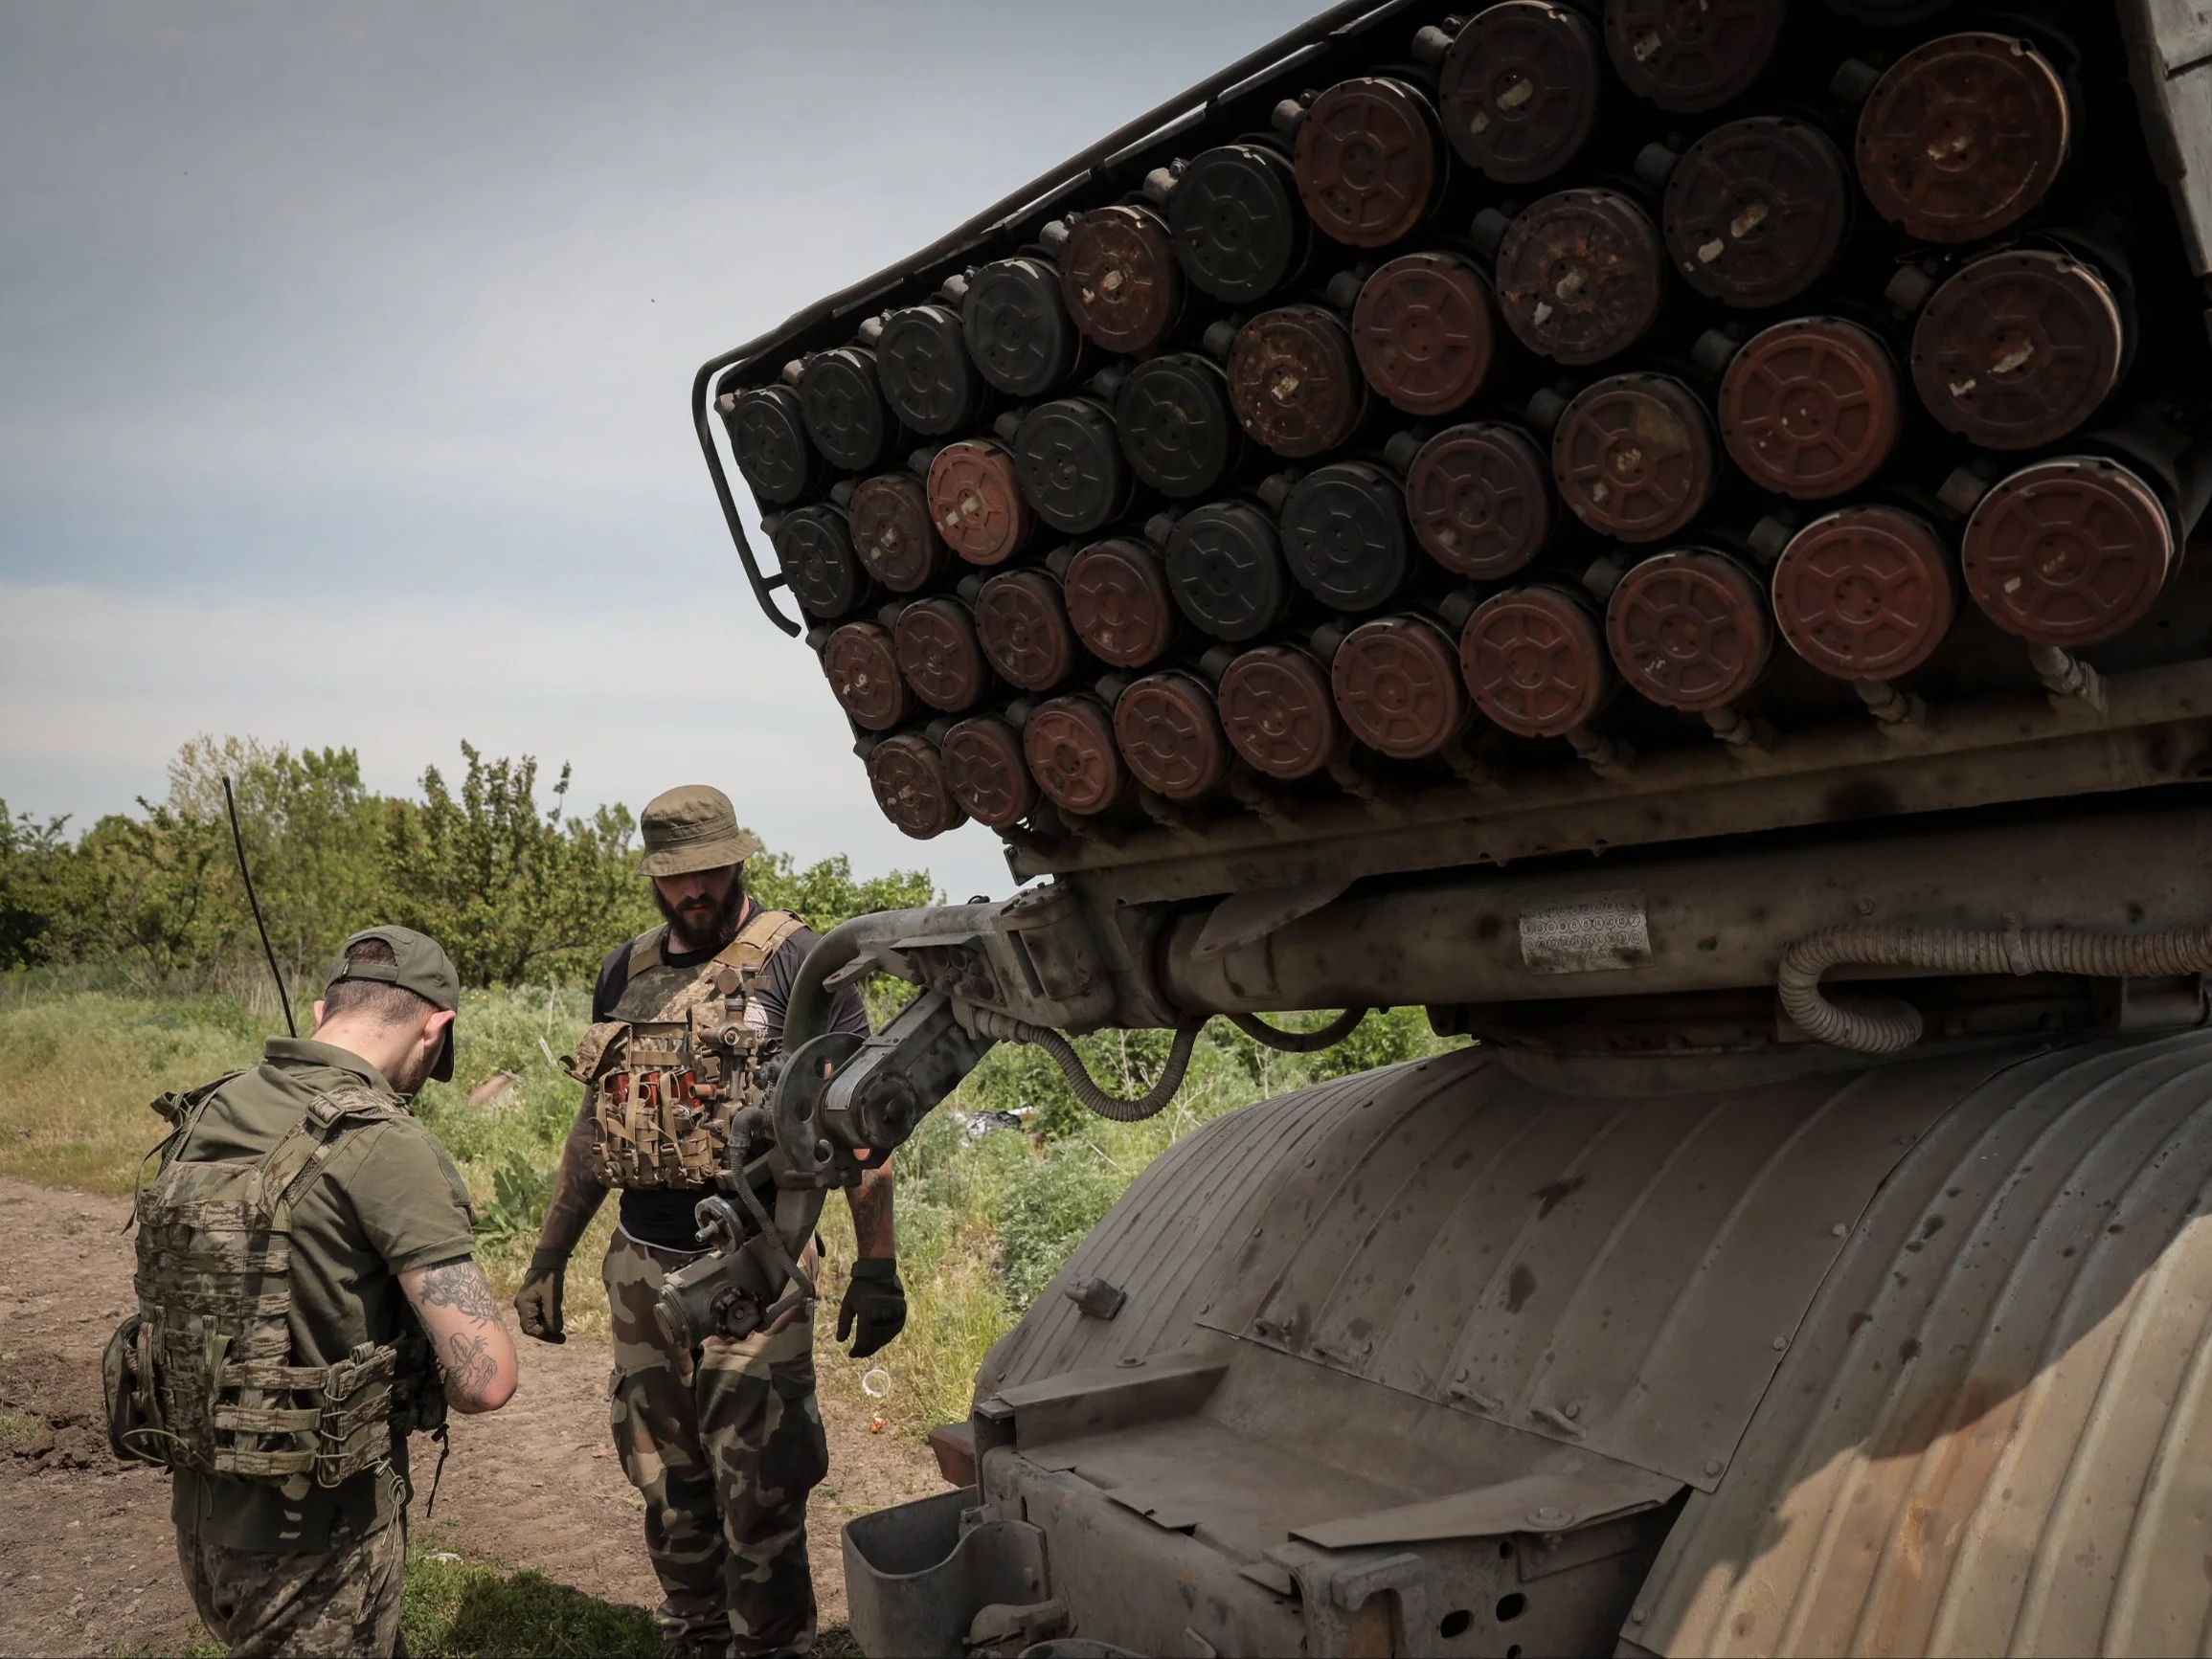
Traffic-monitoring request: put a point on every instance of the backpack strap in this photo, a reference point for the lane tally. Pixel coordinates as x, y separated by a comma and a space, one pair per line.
759, 939
646, 951
301, 1154
184, 1112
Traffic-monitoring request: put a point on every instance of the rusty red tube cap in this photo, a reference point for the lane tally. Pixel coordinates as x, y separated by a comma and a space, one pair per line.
1581, 276
863, 669
975, 503
909, 778
1480, 501
1865, 593
2068, 552
1022, 624
1687, 56
1397, 686
1170, 736
891, 534
1120, 279
2018, 350
1118, 602
1367, 161
1689, 629
1810, 408
1963, 136
1422, 331
985, 772
1634, 457
1295, 380
1069, 744
1278, 711
1535, 662
1757, 211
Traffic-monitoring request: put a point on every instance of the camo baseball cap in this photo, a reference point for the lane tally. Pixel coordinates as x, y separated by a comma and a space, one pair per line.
692, 827
423, 967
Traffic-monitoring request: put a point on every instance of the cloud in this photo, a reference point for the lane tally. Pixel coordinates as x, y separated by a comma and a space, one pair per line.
342, 367
97, 688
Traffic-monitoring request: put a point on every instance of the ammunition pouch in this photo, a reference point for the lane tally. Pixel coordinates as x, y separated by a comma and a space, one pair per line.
652, 1127
664, 1077
125, 1386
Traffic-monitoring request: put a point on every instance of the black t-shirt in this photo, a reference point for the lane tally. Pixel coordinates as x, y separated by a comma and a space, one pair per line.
660, 1216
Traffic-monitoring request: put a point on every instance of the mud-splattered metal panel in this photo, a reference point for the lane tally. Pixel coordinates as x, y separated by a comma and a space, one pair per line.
1622, 1275
1994, 1433
1164, 1244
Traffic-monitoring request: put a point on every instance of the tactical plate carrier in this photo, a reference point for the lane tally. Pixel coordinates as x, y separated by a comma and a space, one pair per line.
201, 1378
679, 1057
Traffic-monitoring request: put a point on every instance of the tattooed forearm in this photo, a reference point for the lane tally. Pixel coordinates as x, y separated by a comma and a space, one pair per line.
576, 1196
470, 1368
459, 1285
871, 1213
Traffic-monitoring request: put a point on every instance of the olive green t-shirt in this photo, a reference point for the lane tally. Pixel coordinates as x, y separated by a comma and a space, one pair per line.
389, 1201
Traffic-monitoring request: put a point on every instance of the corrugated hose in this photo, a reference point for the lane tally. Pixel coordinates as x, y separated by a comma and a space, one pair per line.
1964, 950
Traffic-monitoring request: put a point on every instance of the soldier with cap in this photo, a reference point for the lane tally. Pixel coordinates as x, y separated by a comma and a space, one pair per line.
724, 1442
306, 1299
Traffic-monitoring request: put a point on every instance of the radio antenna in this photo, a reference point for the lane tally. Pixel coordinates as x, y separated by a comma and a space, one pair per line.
239, 840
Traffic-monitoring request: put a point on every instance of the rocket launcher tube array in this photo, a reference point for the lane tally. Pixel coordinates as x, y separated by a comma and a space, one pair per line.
1354, 299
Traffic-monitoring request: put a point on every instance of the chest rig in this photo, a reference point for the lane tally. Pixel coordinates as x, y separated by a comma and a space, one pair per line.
202, 1377
679, 1056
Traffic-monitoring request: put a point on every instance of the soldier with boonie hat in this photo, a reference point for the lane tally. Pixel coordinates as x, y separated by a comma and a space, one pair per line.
725, 1440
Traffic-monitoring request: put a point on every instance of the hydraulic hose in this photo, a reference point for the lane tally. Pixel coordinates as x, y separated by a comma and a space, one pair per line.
806, 1010
1962, 950
1006, 1029
1301, 1041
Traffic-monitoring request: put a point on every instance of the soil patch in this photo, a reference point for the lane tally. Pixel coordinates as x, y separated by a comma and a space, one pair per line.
87, 1559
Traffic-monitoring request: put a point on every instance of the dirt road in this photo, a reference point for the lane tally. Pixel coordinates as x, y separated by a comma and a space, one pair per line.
87, 1561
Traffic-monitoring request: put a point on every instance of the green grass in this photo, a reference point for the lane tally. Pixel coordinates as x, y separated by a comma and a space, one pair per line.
461, 1606
983, 1224
464, 1608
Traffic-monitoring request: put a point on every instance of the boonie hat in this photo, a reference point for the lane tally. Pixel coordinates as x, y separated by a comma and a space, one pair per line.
423, 967
692, 827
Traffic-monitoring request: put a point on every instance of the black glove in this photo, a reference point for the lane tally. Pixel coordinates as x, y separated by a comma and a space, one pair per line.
874, 1303
537, 1304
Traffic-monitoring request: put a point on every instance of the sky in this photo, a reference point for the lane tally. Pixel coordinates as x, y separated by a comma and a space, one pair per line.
344, 355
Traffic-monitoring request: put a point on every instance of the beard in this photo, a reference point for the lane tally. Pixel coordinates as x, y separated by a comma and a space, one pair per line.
702, 924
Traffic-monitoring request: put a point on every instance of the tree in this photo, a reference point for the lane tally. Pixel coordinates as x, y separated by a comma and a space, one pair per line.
824, 893
33, 914
313, 837
511, 892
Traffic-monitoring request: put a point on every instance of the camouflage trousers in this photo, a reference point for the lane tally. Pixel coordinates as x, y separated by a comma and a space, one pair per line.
723, 1452
317, 1603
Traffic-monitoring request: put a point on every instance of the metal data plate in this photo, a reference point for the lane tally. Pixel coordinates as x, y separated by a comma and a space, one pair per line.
1608, 931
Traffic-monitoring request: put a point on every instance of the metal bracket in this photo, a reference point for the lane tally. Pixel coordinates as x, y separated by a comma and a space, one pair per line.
1337, 1584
